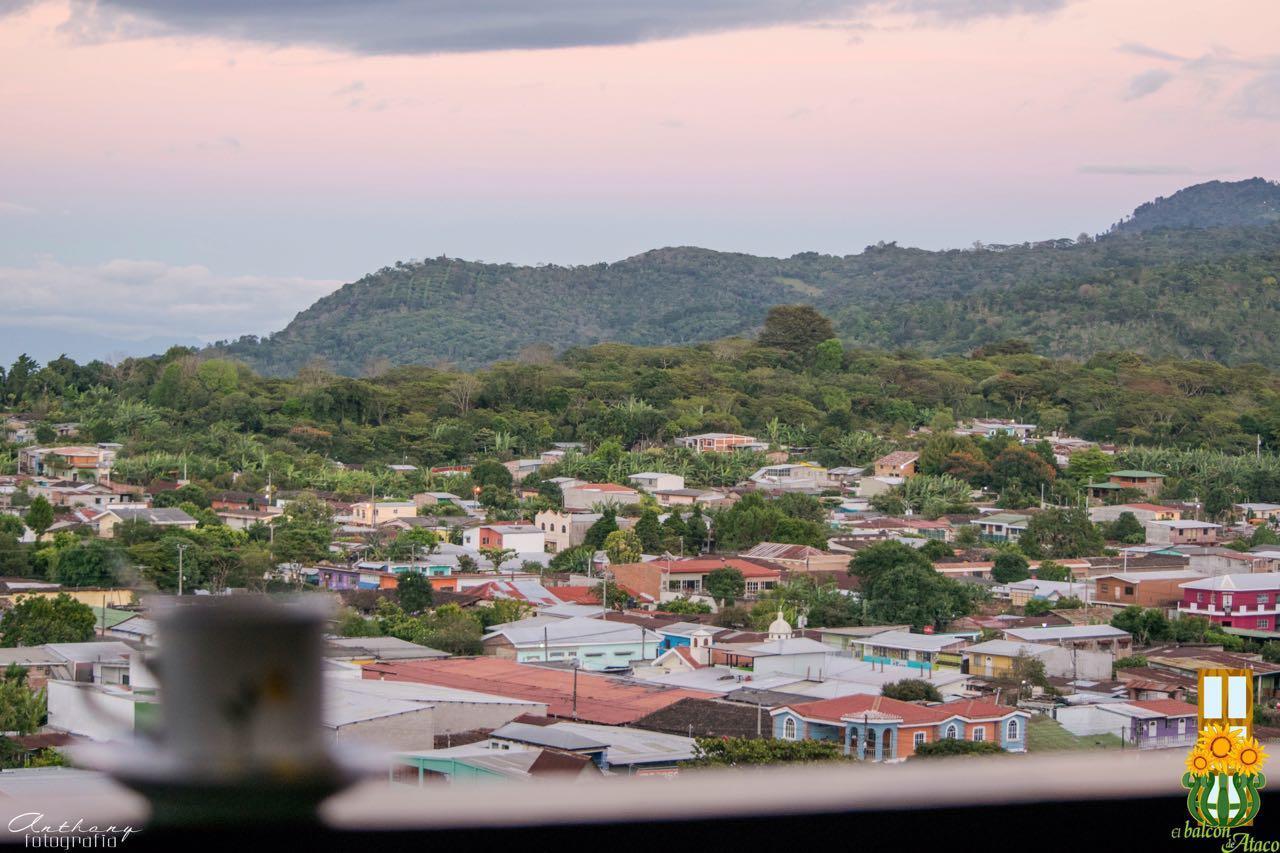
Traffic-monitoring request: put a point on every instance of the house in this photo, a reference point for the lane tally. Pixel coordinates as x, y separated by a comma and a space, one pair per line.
688, 497
521, 468
562, 530
841, 638
1249, 601
878, 728
1187, 661
586, 496
84, 493
1183, 531
653, 481
1144, 589
373, 513
521, 538
1148, 482
362, 650
72, 462
721, 442
1020, 592
991, 427
243, 519
1259, 513
162, 517
1143, 512
797, 558
792, 477
999, 658
614, 749
489, 760
1002, 526
917, 651
1144, 723
1148, 682
900, 463
594, 644
669, 579
1094, 638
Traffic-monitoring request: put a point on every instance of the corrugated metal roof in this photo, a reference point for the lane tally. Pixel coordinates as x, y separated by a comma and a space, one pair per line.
600, 698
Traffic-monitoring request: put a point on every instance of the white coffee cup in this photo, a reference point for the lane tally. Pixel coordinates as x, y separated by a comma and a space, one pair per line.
241, 685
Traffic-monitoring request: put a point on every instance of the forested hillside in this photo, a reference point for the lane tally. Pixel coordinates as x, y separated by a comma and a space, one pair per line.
1208, 293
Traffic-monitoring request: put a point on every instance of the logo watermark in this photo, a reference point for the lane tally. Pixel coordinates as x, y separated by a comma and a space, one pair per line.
38, 832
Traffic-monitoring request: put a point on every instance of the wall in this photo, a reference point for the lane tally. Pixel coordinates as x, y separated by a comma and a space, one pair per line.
412, 730
81, 709
455, 717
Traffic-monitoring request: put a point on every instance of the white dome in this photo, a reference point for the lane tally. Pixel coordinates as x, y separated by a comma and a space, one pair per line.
780, 628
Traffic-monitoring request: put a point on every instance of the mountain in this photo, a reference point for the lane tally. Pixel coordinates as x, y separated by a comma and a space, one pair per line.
1205, 289
1209, 205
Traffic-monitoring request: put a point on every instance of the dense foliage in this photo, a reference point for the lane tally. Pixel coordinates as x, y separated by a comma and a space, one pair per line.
1188, 293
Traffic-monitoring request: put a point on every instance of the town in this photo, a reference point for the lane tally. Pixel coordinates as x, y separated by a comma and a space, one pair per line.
510, 616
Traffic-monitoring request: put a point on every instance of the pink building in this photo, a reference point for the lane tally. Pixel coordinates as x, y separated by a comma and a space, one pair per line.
1234, 601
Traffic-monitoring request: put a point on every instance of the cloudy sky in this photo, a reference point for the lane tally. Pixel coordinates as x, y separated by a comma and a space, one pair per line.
188, 170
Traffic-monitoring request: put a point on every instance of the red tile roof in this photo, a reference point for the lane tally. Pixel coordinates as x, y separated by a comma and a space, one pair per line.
601, 698
576, 594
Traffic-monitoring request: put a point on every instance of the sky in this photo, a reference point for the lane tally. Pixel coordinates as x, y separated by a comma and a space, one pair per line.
192, 170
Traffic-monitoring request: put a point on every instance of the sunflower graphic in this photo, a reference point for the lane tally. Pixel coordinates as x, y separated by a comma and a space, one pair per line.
1219, 742
1199, 762
1247, 757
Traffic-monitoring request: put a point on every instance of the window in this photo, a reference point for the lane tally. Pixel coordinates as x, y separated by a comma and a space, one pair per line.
1264, 623
919, 738
1128, 590
1012, 730
980, 733
1263, 598
952, 732
789, 728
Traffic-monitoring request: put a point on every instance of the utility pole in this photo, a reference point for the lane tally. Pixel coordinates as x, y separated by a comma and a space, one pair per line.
181, 550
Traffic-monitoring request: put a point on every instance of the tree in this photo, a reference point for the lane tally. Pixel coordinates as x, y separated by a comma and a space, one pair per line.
599, 531
491, 472
22, 710
1146, 626
726, 585
39, 516
911, 690
1010, 567
414, 592
498, 556
829, 356
1127, 530
899, 585
935, 550
1051, 571
649, 531
796, 328
622, 546
95, 562
685, 606
36, 620
1061, 534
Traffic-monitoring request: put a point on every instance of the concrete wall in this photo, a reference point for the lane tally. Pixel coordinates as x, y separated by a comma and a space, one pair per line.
412, 730
81, 709
455, 717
